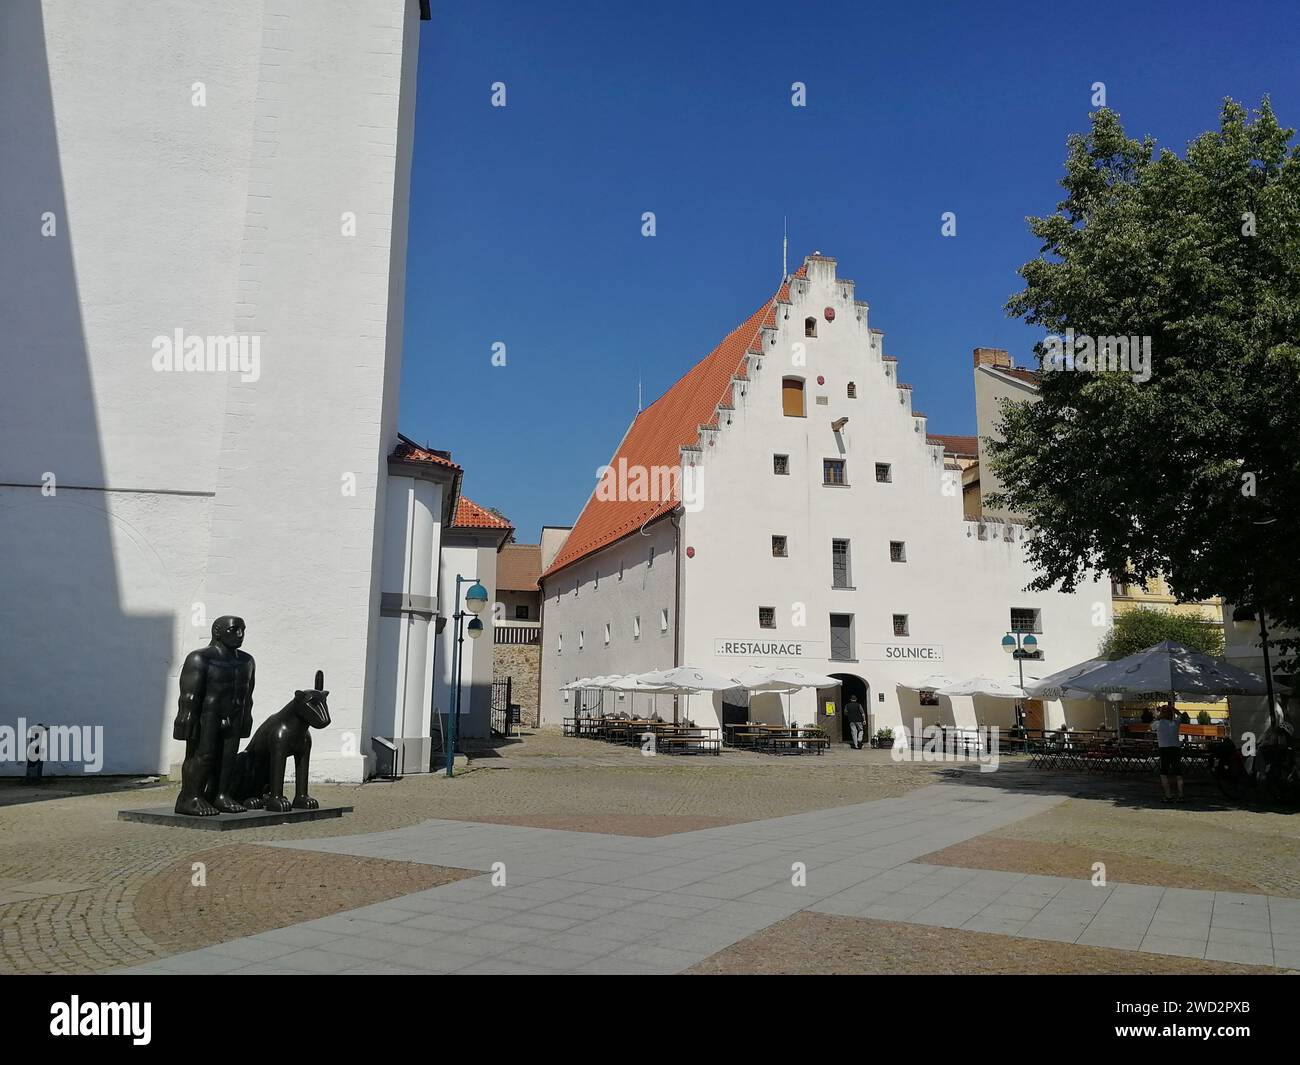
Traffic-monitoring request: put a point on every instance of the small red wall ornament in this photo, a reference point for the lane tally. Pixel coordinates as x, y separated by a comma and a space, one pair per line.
690, 552
829, 312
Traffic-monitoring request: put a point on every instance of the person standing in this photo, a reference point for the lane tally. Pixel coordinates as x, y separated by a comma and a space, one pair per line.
1171, 751
856, 717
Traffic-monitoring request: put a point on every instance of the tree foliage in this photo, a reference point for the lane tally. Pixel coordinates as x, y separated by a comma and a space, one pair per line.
1142, 627
1194, 473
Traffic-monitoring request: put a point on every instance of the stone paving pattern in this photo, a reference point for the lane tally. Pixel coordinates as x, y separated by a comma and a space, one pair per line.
67, 833
587, 903
823, 945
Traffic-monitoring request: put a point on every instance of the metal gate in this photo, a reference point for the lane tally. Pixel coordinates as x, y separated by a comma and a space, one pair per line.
502, 712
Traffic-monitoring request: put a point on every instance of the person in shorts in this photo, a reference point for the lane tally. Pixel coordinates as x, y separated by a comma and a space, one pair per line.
1171, 750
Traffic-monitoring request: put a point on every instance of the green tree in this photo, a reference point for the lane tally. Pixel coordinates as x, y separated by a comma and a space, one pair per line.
1195, 472
1142, 627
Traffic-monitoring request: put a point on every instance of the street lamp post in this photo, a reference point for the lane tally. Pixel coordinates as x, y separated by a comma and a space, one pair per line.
1243, 619
475, 600
1021, 646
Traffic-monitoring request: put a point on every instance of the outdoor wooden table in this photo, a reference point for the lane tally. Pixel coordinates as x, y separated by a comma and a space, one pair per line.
744, 735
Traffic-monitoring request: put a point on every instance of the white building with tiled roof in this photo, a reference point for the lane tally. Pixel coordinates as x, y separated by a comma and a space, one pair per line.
813, 522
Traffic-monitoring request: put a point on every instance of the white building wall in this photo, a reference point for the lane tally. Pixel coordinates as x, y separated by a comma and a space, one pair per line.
956, 588
408, 615
613, 587
183, 496
469, 555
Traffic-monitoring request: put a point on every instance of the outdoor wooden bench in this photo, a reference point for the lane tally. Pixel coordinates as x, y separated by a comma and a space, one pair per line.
684, 743
798, 741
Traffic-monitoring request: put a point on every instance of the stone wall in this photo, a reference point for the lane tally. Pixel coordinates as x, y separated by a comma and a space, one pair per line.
519, 662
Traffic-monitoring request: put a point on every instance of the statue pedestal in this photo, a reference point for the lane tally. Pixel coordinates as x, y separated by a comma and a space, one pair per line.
165, 815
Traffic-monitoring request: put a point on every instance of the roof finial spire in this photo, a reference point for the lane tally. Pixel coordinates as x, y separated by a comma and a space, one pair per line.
785, 247
638, 391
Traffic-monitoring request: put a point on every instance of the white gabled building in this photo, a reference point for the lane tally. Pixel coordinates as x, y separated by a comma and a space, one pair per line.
814, 522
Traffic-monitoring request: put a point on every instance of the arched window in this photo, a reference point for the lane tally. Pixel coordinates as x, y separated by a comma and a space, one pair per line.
853, 390
810, 327
792, 397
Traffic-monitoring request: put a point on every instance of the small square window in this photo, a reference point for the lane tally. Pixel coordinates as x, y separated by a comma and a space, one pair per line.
767, 617
833, 472
897, 551
852, 390
884, 472
1026, 619
781, 465
521, 612
778, 547
900, 625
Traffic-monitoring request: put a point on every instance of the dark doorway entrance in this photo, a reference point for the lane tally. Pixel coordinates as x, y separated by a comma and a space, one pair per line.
850, 684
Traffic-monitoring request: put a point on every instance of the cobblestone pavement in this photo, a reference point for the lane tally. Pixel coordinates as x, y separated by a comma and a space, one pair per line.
559, 902
68, 831
1123, 822
823, 945
122, 872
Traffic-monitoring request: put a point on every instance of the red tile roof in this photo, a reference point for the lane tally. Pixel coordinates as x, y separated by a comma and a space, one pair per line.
1029, 377
518, 567
658, 433
956, 445
469, 515
409, 451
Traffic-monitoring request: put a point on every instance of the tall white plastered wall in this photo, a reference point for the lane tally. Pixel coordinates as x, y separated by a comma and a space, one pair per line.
222, 169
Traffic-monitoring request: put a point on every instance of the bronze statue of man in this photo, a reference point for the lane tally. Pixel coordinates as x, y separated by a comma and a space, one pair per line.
214, 713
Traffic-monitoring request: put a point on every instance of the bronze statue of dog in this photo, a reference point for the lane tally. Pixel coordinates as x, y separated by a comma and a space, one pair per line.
259, 769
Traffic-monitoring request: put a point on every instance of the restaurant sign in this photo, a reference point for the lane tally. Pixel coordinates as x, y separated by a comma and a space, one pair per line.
724, 648
901, 652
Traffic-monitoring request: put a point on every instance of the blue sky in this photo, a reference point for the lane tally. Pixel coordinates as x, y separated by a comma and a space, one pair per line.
526, 220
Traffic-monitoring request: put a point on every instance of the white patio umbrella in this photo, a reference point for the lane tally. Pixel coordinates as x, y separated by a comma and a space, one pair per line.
782, 679
932, 683
635, 682
687, 680
997, 687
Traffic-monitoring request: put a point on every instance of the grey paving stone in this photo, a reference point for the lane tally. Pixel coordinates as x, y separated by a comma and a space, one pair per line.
251, 950
298, 936
1245, 955
200, 962
1240, 937
318, 961
1109, 937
